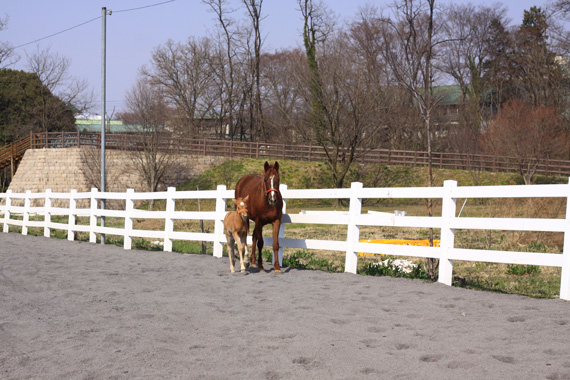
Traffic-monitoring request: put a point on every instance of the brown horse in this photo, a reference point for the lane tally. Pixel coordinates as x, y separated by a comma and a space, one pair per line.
265, 206
236, 226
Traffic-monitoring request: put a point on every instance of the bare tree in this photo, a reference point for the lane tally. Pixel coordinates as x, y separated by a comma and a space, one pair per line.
314, 32
147, 113
281, 94
347, 99
409, 44
254, 10
559, 15
53, 71
8, 56
224, 66
182, 73
530, 134
91, 163
468, 31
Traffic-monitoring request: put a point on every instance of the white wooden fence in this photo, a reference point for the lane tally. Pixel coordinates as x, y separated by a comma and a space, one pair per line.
448, 222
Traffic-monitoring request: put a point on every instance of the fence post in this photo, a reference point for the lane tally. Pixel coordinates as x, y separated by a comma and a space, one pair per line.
447, 241
129, 207
12, 161
72, 215
282, 227
169, 221
565, 277
93, 216
7, 213
26, 218
47, 214
353, 230
219, 222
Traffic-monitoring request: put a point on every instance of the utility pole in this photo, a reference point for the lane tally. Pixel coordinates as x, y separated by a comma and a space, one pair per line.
103, 108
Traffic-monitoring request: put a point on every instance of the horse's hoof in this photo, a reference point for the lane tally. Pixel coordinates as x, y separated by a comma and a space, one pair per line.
243, 270
253, 265
278, 271
261, 269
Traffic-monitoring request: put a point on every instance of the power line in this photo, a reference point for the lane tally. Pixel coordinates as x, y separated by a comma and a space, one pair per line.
88, 21
146, 6
55, 34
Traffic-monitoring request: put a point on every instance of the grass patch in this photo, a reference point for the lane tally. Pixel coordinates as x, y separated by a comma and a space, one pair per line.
309, 260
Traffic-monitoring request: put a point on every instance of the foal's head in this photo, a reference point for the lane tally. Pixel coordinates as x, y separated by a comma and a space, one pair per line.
241, 207
271, 182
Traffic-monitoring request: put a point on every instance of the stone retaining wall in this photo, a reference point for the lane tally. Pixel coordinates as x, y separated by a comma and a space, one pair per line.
62, 170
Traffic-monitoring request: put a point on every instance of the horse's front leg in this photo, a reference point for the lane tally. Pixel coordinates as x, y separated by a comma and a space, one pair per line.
253, 243
276, 227
259, 248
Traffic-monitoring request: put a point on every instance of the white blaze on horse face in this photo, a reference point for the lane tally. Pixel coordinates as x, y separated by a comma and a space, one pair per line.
243, 211
272, 194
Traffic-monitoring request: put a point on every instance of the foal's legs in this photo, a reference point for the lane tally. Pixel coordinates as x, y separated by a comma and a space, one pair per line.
231, 242
245, 251
241, 243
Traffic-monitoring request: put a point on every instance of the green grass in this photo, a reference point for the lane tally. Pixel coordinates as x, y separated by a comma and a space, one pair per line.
309, 260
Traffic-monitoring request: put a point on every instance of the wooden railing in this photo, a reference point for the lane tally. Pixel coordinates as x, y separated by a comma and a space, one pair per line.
236, 149
11, 154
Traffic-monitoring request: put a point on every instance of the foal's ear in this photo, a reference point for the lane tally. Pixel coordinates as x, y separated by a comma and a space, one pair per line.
246, 198
276, 166
266, 166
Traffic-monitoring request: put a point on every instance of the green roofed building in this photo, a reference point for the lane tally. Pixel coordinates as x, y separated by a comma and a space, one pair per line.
93, 125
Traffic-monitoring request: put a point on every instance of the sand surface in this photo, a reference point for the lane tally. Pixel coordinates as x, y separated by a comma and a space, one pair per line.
71, 310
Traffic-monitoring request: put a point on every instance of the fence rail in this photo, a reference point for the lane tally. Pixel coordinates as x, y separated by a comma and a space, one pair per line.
448, 222
236, 149
12, 153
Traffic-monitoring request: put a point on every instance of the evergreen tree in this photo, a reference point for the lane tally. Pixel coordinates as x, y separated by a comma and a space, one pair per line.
26, 105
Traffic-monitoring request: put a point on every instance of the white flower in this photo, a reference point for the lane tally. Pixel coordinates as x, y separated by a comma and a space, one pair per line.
404, 266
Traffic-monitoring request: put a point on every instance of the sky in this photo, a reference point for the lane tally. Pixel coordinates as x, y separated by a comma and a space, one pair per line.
74, 30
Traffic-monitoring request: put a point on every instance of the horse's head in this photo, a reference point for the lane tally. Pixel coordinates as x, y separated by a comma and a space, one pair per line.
271, 182
241, 207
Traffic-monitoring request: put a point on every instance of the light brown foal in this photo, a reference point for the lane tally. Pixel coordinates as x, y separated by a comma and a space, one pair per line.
236, 227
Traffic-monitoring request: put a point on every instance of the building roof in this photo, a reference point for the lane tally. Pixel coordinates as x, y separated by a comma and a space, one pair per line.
113, 126
448, 95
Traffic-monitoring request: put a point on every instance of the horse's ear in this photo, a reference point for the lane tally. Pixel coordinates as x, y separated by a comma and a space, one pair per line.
246, 198
276, 166
266, 166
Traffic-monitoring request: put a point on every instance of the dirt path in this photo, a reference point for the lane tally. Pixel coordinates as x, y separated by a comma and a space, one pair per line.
71, 310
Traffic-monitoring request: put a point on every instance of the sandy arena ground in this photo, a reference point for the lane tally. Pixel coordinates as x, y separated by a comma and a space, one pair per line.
71, 310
